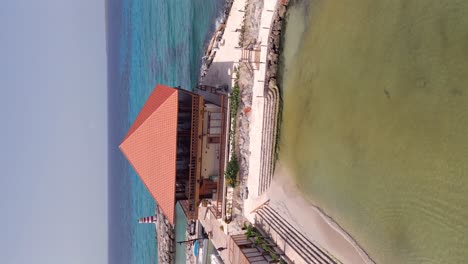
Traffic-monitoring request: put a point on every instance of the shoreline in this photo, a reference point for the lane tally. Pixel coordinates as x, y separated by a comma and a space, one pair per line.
286, 198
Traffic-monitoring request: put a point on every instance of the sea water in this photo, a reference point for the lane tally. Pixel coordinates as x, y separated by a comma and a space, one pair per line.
148, 42
375, 122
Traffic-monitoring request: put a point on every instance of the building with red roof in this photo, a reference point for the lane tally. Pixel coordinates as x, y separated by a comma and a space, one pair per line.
175, 146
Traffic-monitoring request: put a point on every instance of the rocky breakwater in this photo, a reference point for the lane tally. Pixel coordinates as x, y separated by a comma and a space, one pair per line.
274, 40
166, 238
215, 41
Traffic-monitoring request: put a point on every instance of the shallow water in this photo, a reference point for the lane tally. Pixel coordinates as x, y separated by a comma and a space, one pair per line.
375, 122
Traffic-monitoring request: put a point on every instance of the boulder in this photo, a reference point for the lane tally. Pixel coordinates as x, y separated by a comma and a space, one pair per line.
272, 83
281, 11
274, 69
165, 238
273, 56
276, 41
277, 26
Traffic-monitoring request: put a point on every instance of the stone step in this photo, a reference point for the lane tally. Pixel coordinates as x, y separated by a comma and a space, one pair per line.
269, 136
324, 255
267, 152
268, 139
291, 240
287, 228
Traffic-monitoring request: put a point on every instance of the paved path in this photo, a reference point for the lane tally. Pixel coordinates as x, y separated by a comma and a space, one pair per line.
263, 118
257, 125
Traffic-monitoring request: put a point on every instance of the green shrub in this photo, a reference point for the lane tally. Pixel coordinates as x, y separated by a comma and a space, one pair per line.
257, 240
231, 172
232, 168
273, 256
234, 98
249, 234
250, 231
242, 35
231, 182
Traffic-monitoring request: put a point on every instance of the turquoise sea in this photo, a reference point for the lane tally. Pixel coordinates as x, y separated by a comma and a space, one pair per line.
148, 42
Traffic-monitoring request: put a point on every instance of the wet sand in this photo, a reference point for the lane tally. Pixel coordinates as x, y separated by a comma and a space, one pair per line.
287, 200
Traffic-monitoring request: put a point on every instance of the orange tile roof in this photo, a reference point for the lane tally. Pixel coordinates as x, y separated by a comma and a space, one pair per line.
150, 147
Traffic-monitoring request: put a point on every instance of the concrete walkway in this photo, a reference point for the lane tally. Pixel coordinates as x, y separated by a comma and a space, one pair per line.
257, 129
221, 72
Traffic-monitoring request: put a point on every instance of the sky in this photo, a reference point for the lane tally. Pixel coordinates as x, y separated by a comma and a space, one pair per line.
53, 132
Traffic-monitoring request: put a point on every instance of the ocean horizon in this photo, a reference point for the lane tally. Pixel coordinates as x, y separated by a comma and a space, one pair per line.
148, 42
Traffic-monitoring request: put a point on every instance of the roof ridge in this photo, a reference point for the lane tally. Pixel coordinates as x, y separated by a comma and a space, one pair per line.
148, 109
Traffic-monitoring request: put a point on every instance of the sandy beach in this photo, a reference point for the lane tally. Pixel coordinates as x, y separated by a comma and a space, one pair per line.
287, 200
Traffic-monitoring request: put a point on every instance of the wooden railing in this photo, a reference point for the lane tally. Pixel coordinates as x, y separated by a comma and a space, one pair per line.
193, 165
217, 207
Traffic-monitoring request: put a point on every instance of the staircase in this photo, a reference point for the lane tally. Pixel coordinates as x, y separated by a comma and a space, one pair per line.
267, 158
274, 224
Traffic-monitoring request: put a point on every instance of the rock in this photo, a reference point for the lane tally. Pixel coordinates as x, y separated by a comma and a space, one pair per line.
272, 83
273, 62
274, 69
276, 42
277, 26
281, 11
165, 238
273, 56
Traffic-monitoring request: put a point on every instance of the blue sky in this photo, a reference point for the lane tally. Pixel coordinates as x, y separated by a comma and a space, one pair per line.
53, 133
